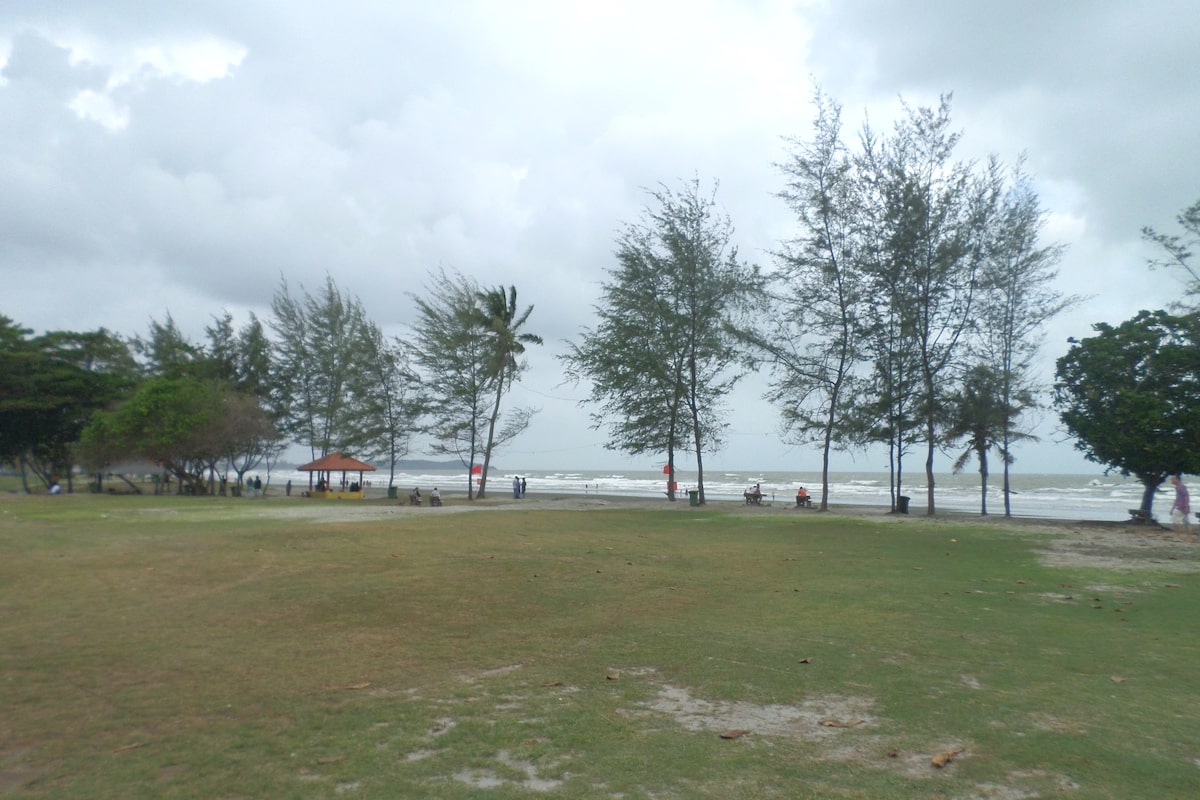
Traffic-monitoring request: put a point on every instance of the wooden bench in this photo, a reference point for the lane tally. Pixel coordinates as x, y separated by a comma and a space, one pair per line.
803, 502
753, 499
1139, 517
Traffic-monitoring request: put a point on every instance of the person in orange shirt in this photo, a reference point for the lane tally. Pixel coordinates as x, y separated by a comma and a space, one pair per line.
802, 498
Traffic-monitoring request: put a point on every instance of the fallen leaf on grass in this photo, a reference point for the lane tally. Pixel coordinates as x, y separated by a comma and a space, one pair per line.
839, 723
128, 747
362, 685
1171, 585
804, 661
734, 734
1117, 679
945, 757
893, 754
613, 676
553, 683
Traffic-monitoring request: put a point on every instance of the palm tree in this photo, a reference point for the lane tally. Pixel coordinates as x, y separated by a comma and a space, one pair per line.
500, 327
978, 417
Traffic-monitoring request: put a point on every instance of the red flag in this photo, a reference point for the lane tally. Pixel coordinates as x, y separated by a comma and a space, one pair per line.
477, 469
666, 469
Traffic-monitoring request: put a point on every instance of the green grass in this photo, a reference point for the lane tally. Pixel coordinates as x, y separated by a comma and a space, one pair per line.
177, 647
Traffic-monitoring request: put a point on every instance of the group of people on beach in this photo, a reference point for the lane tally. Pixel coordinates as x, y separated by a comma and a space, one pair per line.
754, 496
414, 497
518, 487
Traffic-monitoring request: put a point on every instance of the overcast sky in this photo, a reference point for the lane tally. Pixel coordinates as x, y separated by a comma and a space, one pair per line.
181, 158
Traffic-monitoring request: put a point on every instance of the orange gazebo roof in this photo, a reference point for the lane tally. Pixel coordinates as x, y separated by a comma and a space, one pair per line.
336, 462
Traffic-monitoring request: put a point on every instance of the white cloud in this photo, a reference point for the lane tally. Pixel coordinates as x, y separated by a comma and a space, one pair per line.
99, 107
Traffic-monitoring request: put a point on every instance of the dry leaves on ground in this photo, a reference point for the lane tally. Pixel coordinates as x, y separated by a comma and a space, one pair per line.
945, 757
839, 723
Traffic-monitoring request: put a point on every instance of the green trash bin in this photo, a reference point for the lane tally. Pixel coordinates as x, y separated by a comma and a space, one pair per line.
902, 504
391, 493
693, 497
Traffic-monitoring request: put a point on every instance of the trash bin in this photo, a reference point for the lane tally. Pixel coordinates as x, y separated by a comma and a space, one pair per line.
693, 497
235, 491
902, 504
391, 493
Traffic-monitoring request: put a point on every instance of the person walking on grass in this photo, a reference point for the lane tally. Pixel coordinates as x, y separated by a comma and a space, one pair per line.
1181, 509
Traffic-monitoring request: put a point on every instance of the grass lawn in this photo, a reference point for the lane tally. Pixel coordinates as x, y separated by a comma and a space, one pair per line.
208, 648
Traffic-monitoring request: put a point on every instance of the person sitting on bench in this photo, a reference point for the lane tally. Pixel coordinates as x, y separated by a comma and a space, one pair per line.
802, 498
435, 497
753, 495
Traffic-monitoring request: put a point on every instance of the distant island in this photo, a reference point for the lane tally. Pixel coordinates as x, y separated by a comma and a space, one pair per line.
408, 465
417, 463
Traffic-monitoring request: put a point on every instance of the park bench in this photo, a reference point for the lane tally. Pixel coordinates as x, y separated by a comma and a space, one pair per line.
1139, 517
753, 498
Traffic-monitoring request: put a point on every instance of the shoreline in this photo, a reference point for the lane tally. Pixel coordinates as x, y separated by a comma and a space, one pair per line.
456, 502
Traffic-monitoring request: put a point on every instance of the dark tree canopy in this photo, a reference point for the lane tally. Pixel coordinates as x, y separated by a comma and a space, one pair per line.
1131, 397
50, 386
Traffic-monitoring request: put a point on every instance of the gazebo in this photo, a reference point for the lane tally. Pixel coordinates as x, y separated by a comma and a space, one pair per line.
324, 468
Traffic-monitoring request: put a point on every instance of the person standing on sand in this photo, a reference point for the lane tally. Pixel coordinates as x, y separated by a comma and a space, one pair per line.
516, 487
1182, 508
522, 488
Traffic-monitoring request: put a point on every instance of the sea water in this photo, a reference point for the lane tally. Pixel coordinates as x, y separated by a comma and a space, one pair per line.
1056, 496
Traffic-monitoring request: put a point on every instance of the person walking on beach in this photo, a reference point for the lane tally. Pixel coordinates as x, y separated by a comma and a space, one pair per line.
516, 487
1181, 509
522, 488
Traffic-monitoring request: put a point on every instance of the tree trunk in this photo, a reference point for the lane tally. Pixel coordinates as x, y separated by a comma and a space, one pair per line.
671, 473
930, 508
487, 451
24, 475
1150, 487
983, 476
1007, 485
